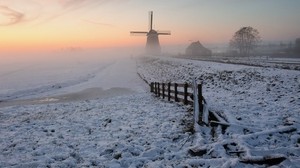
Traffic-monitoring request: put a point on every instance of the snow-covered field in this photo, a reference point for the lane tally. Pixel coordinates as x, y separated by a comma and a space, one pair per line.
127, 131
108, 120
99, 113
258, 102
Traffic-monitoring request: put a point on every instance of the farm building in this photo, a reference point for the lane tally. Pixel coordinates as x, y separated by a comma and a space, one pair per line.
197, 49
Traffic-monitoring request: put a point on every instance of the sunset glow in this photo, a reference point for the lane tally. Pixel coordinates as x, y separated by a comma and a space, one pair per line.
39, 24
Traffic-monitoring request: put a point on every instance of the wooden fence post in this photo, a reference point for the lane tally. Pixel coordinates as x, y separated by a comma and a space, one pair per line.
196, 104
158, 89
176, 92
200, 99
151, 87
155, 88
169, 91
163, 90
185, 93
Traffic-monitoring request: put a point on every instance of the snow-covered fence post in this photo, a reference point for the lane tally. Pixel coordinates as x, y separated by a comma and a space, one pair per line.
176, 92
205, 112
169, 91
196, 103
185, 93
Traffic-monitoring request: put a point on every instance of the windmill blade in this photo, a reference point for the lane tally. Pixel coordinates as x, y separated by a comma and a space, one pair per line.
138, 33
164, 32
150, 20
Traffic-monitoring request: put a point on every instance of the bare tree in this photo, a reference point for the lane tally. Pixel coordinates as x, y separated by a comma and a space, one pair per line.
245, 40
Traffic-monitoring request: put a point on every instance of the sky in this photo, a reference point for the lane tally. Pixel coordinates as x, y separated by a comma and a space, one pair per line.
58, 24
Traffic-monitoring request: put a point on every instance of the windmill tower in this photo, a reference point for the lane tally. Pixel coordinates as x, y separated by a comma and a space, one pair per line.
152, 45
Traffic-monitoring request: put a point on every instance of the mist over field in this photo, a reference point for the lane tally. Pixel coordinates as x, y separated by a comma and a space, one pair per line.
33, 69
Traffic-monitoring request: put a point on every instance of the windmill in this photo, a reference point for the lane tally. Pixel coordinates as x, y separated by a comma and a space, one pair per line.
152, 45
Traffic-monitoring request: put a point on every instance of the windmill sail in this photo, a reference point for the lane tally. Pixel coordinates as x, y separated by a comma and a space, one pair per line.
138, 33
150, 20
164, 32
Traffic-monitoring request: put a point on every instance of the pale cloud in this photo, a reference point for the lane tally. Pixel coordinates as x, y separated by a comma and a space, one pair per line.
10, 16
17, 11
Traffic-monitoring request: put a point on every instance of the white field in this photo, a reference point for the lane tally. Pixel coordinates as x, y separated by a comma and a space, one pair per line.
261, 104
79, 113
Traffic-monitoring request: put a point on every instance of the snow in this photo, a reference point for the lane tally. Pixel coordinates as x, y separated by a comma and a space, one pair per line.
251, 99
99, 113
108, 120
234, 89
121, 131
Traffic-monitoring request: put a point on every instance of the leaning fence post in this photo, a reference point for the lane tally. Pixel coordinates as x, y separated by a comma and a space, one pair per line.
163, 90
196, 104
176, 92
200, 99
169, 91
185, 93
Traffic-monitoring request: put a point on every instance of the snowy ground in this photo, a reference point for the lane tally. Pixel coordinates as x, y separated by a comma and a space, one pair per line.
108, 120
258, 102
101, 114
134, 130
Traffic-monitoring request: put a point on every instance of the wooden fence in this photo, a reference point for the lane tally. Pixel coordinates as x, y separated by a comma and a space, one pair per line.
188, 94
179, 93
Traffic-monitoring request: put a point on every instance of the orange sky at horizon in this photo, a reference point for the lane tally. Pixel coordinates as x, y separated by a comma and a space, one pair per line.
57, 24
